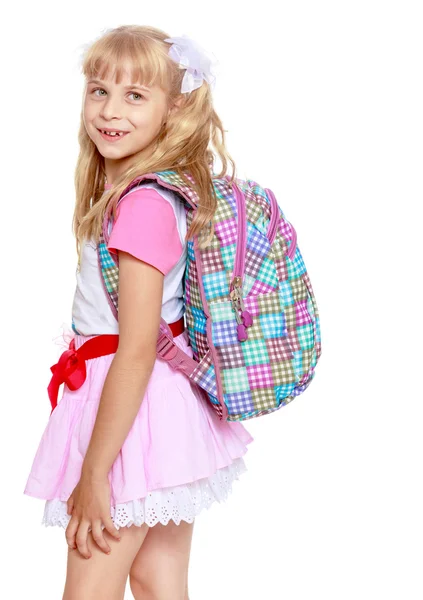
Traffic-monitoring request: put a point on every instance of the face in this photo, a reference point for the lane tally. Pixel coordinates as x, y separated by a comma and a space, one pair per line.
136, 111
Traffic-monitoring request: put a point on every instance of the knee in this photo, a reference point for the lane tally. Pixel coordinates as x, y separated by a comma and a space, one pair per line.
153, 588
143, 590
137, 588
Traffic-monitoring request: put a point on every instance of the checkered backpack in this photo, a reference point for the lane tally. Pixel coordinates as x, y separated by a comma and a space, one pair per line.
250, 311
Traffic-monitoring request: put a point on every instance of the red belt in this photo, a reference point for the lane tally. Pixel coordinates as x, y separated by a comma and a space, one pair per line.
71, 368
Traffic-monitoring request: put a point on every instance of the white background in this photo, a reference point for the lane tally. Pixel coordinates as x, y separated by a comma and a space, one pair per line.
323, 104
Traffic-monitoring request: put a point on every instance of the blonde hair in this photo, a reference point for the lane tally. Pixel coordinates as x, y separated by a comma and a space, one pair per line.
184, 143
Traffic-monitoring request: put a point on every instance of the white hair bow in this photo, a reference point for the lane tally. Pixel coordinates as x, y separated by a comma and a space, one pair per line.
198, 63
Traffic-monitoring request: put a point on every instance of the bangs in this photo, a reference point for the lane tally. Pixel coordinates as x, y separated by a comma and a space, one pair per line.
144, 60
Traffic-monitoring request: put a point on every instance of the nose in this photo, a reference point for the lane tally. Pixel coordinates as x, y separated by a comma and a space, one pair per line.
111, 108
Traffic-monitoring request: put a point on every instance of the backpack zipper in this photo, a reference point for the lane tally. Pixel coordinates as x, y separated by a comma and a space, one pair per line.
273, 225
243, 317
241, 241
274, 216
293, 244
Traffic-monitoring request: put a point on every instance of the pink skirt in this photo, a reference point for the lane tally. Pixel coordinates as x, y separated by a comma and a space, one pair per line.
177, 458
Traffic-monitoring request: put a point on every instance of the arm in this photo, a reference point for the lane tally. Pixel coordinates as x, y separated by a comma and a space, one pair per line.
140, 302
144, 221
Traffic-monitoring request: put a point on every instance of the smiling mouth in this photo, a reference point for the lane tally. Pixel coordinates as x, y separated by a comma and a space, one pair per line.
113, 134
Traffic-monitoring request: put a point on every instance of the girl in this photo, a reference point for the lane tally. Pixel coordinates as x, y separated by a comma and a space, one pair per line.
133, 452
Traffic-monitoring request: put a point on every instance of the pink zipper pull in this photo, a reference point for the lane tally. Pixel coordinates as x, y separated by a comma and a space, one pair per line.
244, 320
247, 318
242, 332
236, 298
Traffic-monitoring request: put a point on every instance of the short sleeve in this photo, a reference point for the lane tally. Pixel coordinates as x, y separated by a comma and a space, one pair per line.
146, 227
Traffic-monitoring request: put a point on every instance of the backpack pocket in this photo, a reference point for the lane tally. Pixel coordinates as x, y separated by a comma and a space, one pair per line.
257, 373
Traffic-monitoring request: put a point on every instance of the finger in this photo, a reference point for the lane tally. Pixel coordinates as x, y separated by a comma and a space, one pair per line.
70, 505
82, 539
98, 537
111, 527
71, 530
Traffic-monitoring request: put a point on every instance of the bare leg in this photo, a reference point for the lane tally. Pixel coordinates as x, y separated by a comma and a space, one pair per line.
160, 568
103, 576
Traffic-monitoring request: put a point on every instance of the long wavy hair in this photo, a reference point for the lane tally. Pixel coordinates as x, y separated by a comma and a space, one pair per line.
188, 142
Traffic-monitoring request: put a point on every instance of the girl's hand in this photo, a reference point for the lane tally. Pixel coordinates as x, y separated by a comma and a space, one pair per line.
89, 505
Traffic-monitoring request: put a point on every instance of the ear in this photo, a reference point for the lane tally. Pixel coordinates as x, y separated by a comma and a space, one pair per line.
177, 104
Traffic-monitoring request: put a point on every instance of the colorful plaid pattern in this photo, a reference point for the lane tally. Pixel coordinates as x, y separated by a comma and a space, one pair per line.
277, 362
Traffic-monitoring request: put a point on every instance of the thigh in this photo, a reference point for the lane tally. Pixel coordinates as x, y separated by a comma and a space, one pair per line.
103, 575
160, 568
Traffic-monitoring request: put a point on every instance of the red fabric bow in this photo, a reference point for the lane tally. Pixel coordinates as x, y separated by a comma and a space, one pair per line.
71, 368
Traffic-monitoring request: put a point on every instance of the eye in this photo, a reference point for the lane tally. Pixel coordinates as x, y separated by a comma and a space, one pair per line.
140, 96
136, 94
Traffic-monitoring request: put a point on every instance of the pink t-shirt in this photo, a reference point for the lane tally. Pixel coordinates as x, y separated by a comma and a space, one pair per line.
146, 227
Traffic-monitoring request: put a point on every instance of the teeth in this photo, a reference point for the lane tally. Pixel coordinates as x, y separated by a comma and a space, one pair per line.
112, 133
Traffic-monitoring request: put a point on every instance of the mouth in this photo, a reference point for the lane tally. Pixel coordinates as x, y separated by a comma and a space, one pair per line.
112, 135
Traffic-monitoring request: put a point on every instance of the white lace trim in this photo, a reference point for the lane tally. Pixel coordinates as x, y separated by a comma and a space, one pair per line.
182, 502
